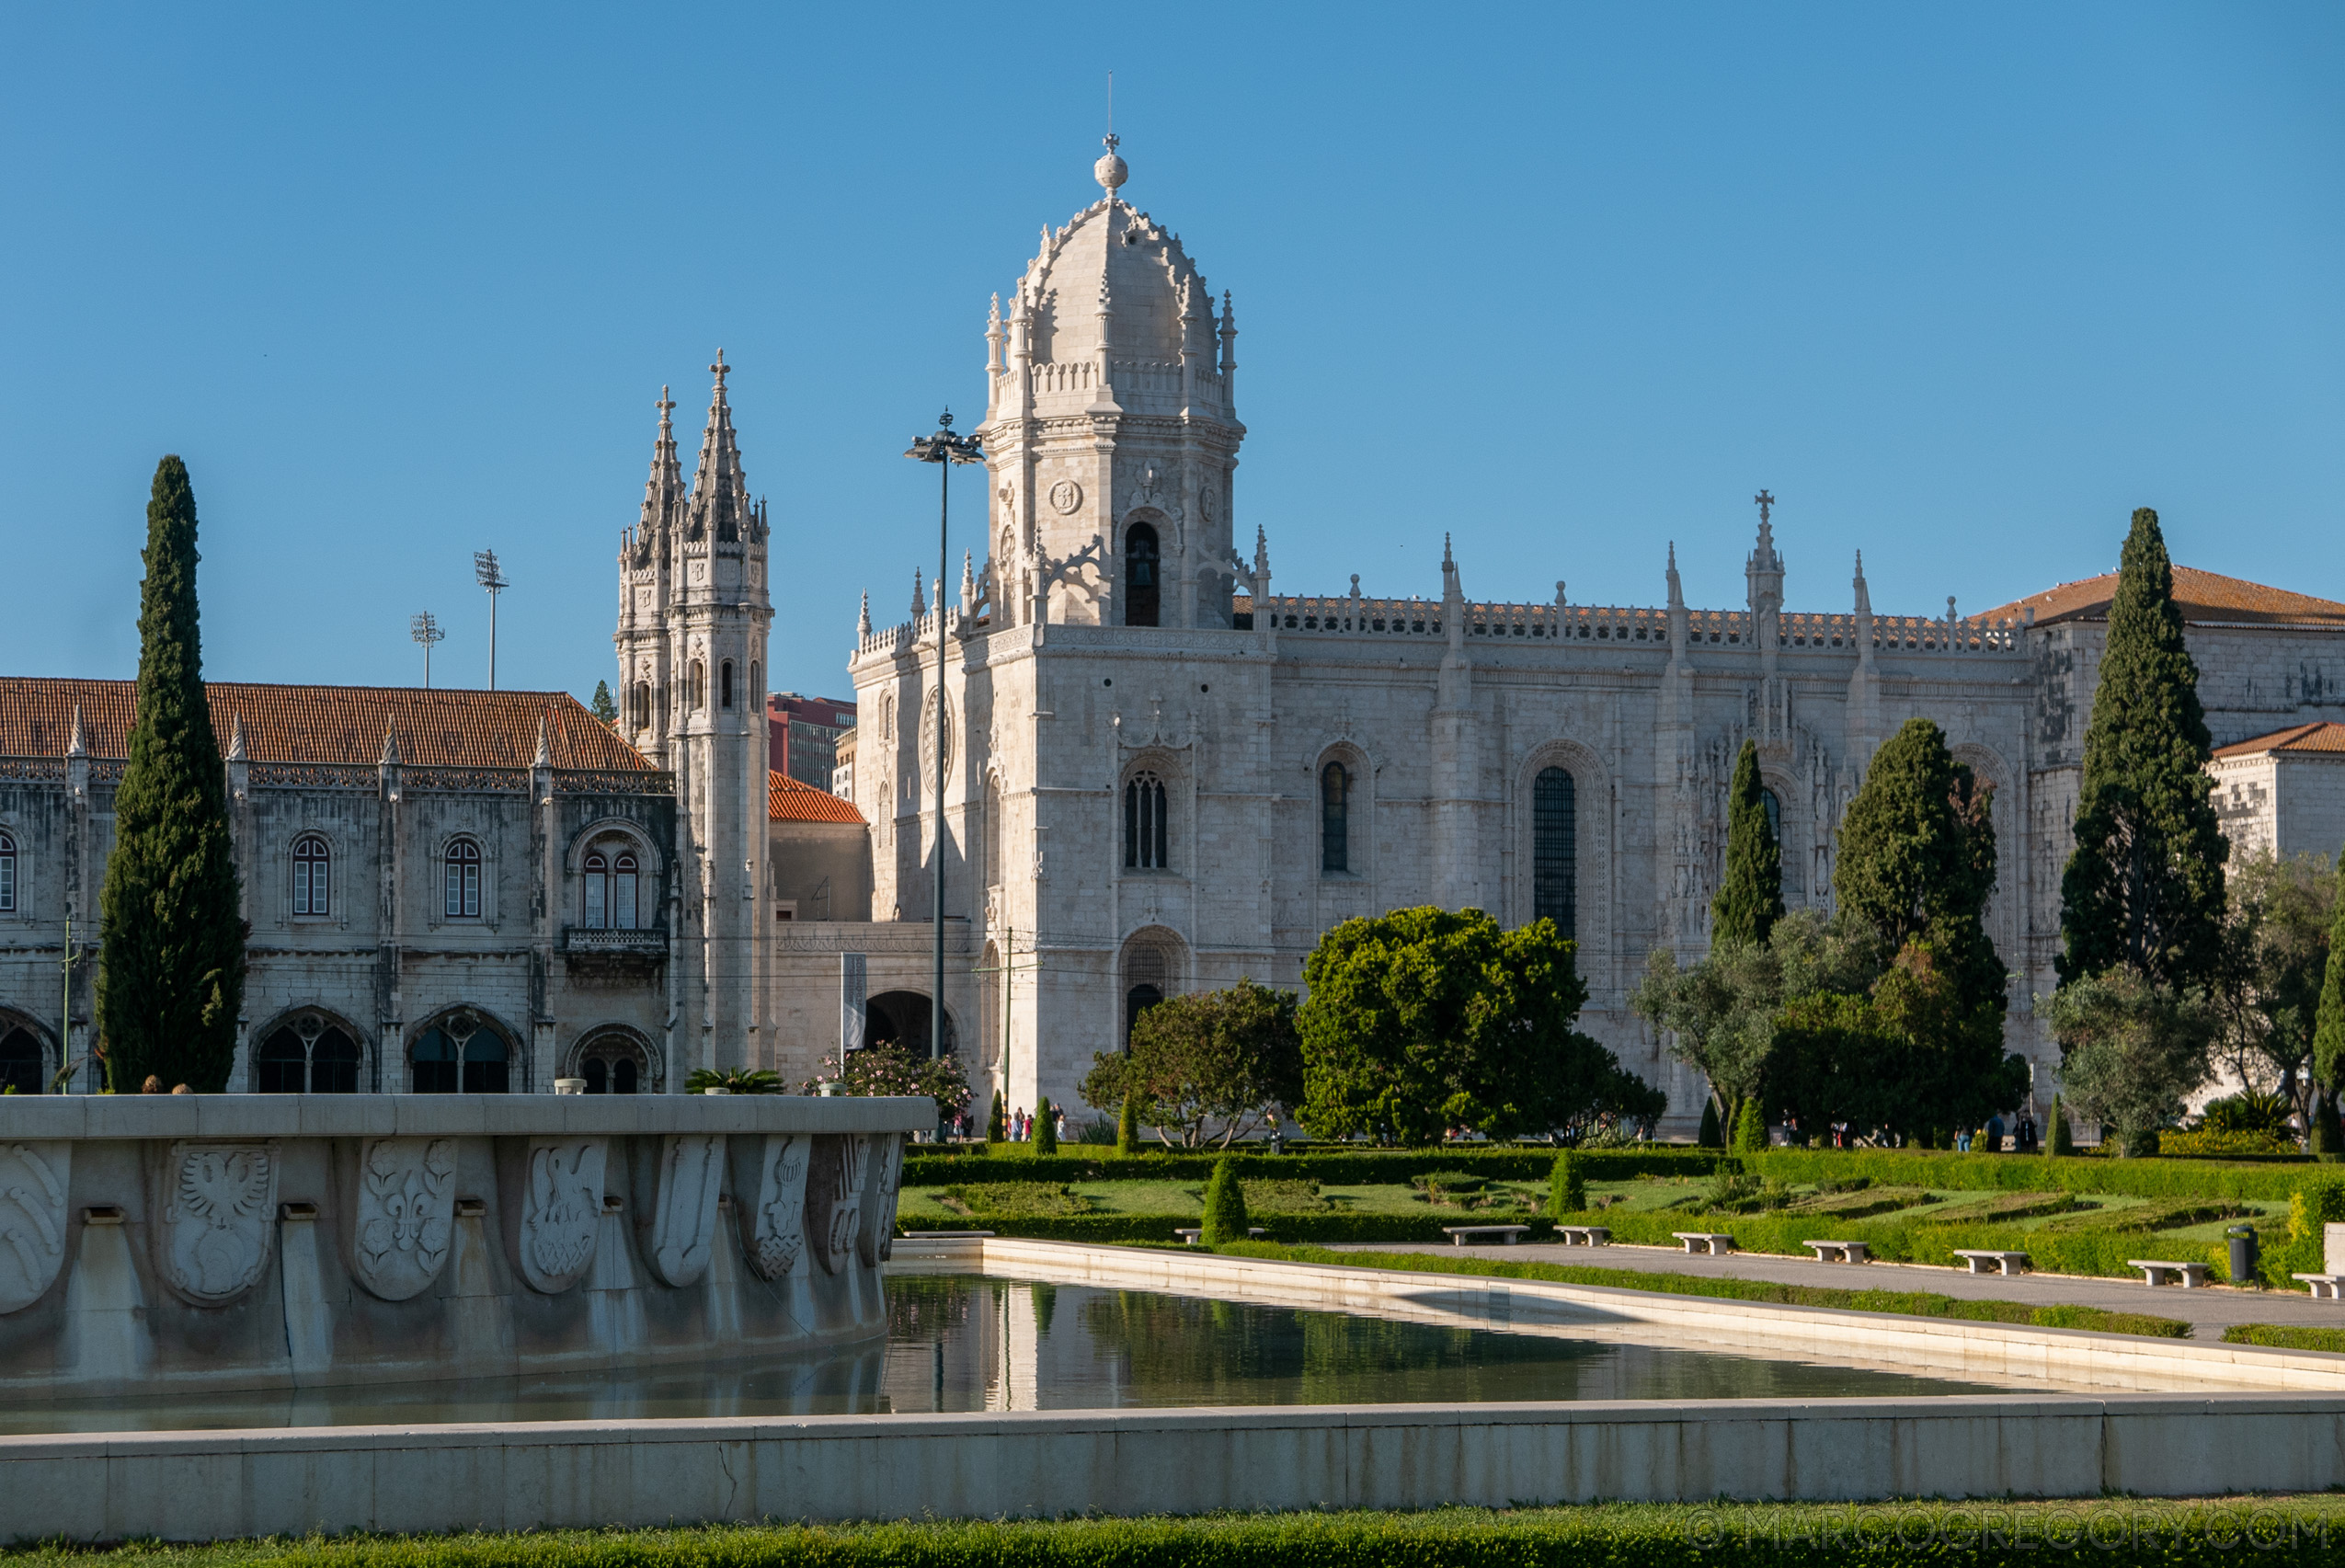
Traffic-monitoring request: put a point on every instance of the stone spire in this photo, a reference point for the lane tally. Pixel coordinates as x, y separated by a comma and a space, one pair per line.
544, 757
237, 738
720, 503
920, 605
1677, 619
75, 745
390, 757
863, 622
968, 586
663, 492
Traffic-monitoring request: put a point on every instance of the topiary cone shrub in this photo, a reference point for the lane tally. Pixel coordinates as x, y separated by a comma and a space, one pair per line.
996, 1123
1225, 1205
1045, 1129
1128, 1126
2062, 1141
1750, 1130
1567, 1189
1709, 1137
2327, 1140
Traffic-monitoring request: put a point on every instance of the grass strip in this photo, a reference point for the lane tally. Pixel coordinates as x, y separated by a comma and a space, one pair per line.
1909, 1303
2286, 1336
2120, 1531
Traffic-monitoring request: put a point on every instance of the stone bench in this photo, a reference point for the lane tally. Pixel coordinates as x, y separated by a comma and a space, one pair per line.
1584, 1235
2323, 1286
2002, 1263
1839, 1252
2155, 1272
1194, 1235
1716, 1243
1508, 1234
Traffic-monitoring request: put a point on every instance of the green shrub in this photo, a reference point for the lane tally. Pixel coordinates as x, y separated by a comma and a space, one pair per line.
1567, 1189
1128, 1126
2006, 1208
2270, 1180
1046, 1130
2287, 1336
1282, 1195
1019, 1199
2142, 1220
1750, 1130
2312, 1205
1865, 1202
1709, 1137
1337, 1166
2062, 1141
997, 1123
1225, 1206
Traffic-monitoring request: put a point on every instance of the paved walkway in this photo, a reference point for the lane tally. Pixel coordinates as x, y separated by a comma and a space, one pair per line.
2211, 1307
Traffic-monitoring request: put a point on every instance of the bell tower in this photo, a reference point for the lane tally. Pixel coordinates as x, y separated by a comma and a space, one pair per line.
1111, 431
647, 575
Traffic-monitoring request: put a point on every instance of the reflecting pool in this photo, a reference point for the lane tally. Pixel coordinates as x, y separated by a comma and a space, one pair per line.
971, 1343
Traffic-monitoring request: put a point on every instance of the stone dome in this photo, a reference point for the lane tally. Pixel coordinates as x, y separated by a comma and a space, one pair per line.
1148, 283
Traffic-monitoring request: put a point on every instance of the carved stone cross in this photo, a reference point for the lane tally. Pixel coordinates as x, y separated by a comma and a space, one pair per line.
1766, 503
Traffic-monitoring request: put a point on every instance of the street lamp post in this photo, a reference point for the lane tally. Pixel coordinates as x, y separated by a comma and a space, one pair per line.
425, 629
484, 569
944, 449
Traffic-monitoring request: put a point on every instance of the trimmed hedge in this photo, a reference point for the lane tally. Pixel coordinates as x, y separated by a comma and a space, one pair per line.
2286, 1336
2271, 1177
1907, 1303
2119, 1532
1157, 1230
1339, 1168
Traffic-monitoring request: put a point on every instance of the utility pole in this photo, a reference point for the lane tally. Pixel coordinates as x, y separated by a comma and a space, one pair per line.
65, 1013
944, 449
484, 569
425, 629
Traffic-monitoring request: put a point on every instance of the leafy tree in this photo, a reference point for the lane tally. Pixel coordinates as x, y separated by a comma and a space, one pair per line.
2144, 887
890, 1068
1567, 1187
1916, 857
602, 707
1045, 1128
172, 976
2132, 1050
1708, 1135
1211, 1066
1128, 1124
1750, 896
1421, 1020
2275, 952
1225, 1205
2062, 1141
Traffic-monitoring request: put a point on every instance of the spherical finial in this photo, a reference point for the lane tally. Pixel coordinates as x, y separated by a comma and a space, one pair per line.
1110, 171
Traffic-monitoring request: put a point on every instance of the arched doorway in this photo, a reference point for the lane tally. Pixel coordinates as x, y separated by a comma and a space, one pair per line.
1152, 968
24, 1060
901, 1017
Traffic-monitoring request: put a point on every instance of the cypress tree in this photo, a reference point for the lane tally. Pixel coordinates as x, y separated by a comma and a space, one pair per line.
172, 978
1045, 1128
1567, 1188
1225, 1205
1128, 1126
1750, 896
2062, 1141
2328, 1018
1709, 1137
997, 1122
602, 707
1750, 1129
2145, 885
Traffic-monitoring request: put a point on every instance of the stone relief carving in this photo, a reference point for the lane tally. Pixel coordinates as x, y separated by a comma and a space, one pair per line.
561, 1208
679, 1224
770, 1197
834, 1198
32, 1219
404, 1212
885, 1164
218, 1203
1067, 496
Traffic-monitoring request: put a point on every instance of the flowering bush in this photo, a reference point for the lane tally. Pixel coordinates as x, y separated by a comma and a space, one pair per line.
889, 1068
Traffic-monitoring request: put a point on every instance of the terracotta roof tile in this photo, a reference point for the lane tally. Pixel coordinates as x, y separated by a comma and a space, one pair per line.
2206, 598
2299, 738
787, 800
341, 725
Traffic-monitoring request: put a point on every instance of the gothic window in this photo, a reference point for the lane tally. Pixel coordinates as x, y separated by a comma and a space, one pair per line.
597, 891
1141, 573
461, 1055
612, 1064
623, 892
611, 876
725, 683
642, 705
1334, 818
313, 875
1555, 851
1144, 842
308, 1055
756, 685
992, 830
887, 717
1150, 964
462, 881
1774, 814
7, 874
20, 1062
696, 687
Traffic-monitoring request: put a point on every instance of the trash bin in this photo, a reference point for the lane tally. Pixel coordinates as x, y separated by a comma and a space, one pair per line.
2243, 1253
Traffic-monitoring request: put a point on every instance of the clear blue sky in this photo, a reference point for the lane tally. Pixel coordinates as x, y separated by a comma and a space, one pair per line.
1961, 284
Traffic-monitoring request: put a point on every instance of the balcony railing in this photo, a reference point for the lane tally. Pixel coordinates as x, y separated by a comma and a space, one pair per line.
583, 939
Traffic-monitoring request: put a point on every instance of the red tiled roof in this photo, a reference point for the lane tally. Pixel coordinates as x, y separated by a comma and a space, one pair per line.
787, 800
2298, 738
2206, 599
341, 725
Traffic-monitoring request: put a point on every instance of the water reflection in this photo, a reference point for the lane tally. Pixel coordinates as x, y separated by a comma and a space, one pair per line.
963, 1343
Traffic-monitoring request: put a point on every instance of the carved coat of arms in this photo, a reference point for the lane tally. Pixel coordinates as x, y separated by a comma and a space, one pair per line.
217, 1208
834, 1197
770, 1197
32, 1219
560, 1211
403, 1211
884, 1174
678, 1222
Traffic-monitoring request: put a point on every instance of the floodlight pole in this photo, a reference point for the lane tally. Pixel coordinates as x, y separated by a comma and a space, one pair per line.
944, 449
485, 570
425, 629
